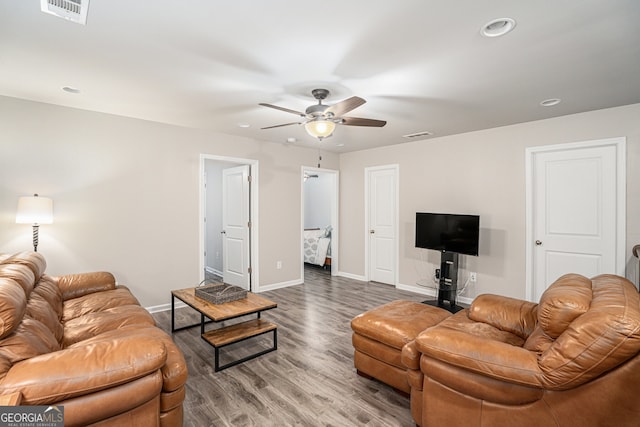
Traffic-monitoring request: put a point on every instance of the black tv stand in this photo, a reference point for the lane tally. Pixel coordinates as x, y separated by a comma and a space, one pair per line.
452, 308
448, 283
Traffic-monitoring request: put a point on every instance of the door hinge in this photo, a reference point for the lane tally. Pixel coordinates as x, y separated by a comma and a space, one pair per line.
249, 224
249, 270
248, 178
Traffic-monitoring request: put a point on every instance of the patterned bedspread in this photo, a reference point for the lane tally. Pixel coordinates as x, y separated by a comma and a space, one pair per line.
316, 247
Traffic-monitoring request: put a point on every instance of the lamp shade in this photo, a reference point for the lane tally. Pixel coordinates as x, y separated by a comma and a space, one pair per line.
320, 128
34, 210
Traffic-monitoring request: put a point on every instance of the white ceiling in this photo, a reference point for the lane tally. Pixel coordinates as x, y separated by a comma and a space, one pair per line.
422, 65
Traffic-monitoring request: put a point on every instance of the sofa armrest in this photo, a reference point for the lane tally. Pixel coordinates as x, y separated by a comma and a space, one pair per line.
77, 285
507, 314
11, 399
84, 369
410, 356
494, 359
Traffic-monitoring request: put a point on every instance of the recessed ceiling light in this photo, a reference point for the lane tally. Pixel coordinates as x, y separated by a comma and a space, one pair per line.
498, 27
340, 145
291, 140
550, 102
70, 89
244, 125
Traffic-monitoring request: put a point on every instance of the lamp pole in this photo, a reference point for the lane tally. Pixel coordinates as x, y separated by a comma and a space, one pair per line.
35, 210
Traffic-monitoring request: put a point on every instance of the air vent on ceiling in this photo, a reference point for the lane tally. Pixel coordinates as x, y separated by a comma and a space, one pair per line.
71, 10
418, 134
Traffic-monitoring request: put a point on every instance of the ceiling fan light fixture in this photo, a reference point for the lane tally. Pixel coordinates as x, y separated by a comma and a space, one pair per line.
320, 128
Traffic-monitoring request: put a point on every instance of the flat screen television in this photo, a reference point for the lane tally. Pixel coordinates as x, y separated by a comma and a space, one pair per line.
448, 232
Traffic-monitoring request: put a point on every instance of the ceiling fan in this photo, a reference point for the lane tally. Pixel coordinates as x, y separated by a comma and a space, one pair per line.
309, 175
322, 119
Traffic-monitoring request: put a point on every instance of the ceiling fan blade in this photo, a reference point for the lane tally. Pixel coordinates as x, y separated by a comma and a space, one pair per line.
355, 121
283, 109
345, 106
279, 126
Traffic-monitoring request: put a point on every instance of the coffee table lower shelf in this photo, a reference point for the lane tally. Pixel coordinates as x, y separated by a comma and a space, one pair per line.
228, 335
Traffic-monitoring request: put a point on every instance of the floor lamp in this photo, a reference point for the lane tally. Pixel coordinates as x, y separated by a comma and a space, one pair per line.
34, 210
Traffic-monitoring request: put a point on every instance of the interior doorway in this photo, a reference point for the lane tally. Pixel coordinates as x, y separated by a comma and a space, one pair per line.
229, 220
575, 211
319, 219
381, 221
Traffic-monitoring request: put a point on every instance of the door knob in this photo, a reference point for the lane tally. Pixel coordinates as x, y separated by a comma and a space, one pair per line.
372, 231
538, 243
223, 232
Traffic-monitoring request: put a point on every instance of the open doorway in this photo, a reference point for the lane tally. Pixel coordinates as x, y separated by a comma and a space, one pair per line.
228, 235
320, 231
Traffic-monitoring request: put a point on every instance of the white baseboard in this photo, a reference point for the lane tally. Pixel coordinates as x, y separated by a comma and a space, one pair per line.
351, 276
280, 285
164, 307
417, 289
212, 270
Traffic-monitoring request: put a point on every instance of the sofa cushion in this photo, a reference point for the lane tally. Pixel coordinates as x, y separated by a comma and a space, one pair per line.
562, 302
174, 371
32, 260
13, 304
507, 314
39, 309
84, 369
31, 338
96, 302
461, 322
397, 322
93, 324
21, 274
77, 285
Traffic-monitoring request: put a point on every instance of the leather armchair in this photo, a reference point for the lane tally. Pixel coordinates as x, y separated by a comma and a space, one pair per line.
571, 360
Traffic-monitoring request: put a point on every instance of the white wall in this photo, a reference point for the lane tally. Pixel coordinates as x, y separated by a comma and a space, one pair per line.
318, 196
213, 226
126, 195
479, 172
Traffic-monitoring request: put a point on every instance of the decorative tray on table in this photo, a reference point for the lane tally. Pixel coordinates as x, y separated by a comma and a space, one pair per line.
219, 293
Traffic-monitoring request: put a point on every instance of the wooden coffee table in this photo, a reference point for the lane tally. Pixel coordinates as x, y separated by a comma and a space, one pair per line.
227, 335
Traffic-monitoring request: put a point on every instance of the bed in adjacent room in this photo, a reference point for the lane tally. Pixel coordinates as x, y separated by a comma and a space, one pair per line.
317, 246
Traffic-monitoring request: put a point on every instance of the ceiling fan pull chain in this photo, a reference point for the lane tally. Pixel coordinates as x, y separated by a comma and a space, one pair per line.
319, 158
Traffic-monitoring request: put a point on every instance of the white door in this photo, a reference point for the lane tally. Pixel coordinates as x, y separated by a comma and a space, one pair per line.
382, 223
235, 223
575, 216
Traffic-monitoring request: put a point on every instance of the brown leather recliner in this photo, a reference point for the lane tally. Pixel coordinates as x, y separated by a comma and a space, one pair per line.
571, 360
84, 343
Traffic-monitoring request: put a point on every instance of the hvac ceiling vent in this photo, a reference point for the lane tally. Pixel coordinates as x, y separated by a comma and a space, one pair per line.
418, 134
71, 10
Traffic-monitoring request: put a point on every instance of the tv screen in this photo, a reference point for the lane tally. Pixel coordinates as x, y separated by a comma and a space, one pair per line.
448, 232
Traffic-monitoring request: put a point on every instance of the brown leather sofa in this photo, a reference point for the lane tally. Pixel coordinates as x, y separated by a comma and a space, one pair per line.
82, 342
571, 360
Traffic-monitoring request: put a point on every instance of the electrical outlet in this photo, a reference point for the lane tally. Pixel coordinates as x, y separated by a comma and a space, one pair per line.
472, 277
278, 265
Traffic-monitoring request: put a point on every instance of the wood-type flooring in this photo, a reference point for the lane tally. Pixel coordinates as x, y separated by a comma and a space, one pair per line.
310, 379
